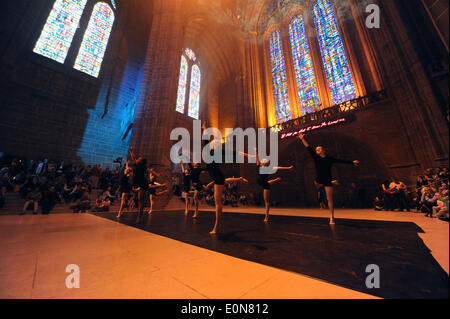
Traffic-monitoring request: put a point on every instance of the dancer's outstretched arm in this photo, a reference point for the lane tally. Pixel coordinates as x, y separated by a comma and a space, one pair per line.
157, 185
304, 141
133, 156
283, 168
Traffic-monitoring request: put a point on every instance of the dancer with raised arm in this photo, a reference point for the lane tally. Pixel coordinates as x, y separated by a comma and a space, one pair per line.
219, 182
153, 186
140, 184
263, 179
323, 164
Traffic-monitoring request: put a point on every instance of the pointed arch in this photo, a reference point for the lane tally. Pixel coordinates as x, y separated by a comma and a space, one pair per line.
182, 83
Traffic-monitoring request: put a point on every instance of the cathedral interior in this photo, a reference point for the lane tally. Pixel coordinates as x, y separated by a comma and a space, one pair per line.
83, 80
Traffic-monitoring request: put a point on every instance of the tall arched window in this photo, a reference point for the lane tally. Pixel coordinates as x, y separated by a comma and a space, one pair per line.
194, 95
189, 69
93, 47
279, 79
182, 81
304, 71
340, 79
57, 34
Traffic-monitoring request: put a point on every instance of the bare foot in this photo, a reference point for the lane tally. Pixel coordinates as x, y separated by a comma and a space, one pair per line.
118, 216
266, 219
213, 232
195, 216
244, 180
186, 212
149, 212
332, 221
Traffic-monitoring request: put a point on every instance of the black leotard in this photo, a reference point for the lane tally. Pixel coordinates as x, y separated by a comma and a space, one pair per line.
187, 182
263, 179
214, 172
323, 167
195, 176
151, 182
139, 179
125, 186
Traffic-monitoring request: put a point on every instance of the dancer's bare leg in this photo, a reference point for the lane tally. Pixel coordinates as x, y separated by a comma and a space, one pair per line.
267, 203
25, 206
196, 203
235, 180
218, 192
186, 199
122, 204
329, 191
140, 205
151, 204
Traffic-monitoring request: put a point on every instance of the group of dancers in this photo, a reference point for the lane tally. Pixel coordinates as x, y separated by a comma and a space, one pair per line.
136, 170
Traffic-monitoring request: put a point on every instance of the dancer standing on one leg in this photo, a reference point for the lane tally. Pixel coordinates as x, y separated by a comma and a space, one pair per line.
153, 185
263, 180
125, 189
323, 165
140, 184
219, 182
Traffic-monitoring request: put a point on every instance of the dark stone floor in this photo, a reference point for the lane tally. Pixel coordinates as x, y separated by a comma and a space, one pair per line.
310, 246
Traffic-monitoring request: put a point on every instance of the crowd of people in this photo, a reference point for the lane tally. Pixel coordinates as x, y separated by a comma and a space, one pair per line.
45, 183
430, 195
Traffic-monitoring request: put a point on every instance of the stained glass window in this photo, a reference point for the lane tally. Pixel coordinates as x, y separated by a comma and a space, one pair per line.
182, 85
93, 47
337, 68
57, 34
304, 72
194, 95
190, 54
279, 79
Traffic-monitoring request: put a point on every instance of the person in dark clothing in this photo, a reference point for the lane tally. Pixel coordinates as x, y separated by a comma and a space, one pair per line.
323, 164
50, 199
263, 180
191, 179
140, 184
187, 184
153, 185
125, 189
219, 182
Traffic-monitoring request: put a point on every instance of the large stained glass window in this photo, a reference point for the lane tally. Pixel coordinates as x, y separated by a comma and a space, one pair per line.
188, 63
304, 71
57, 34
182, 85
194, 95
279, 79
93, 47
337, 68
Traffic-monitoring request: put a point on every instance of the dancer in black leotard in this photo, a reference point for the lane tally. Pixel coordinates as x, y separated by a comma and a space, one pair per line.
187, 184
263, 180
153, 185
219, 182
323, 165
140, 184
125, 188
191, 179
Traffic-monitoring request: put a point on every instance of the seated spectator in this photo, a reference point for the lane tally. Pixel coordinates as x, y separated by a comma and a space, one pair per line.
107, 194
33, 197
102, 204
388, 196
429, 200
83, 204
